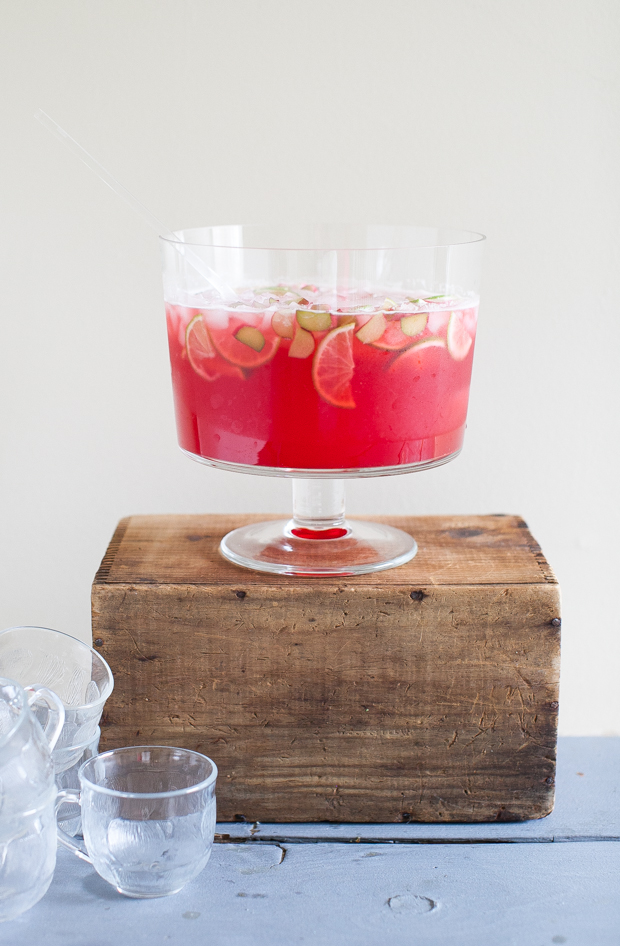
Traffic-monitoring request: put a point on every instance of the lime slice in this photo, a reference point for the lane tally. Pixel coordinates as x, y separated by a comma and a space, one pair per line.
302, 345
277, 290
413, 356
314, 321
333, 366
373, 329
458, 338
202, 355
200, 350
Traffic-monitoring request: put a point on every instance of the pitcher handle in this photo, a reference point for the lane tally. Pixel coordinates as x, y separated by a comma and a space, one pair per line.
71, 796
56, 715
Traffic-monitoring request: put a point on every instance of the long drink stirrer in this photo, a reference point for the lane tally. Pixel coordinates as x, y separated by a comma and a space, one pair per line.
199, 265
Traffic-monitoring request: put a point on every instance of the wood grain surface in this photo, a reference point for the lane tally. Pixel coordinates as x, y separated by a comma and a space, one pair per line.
424, 693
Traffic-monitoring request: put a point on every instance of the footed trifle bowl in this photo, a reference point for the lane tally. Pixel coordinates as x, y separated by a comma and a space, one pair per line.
321, 353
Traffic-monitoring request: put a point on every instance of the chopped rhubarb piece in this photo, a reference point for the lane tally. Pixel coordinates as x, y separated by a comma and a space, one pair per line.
302, 345
414, 324
251, 337
314, 321
283, 324
393, 339
373, 330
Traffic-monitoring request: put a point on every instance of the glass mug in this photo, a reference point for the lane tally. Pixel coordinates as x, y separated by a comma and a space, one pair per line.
27, 796
148, 817
77, 673
68, 777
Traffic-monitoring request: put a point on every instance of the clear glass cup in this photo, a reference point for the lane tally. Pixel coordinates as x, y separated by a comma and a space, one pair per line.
321, 353
27, 796
77, 673
148, 817
67, 776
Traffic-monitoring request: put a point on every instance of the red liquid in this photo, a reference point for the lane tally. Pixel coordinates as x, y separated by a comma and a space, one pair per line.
398, 407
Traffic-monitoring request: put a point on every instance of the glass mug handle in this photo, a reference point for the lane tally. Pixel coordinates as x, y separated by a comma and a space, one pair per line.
56, 715
71, 796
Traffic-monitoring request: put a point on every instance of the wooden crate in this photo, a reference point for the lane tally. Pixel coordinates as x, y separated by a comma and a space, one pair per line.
425, 693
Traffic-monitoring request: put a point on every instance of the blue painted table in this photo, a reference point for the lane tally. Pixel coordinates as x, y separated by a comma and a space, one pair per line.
361, 885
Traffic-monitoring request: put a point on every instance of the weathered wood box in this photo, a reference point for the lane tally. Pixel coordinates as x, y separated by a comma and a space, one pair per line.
424, 693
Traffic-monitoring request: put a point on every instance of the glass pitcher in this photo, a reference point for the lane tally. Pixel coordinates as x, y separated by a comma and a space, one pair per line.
27, 795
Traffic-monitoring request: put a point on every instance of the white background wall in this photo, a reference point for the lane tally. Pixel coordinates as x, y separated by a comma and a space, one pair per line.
492, 115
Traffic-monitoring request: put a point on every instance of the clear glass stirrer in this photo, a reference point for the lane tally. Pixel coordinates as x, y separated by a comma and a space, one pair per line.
212, 278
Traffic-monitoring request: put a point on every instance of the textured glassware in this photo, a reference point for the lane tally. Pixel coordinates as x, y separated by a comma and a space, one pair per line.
67, 776
321, 353
27, 796
77, 673
148, 817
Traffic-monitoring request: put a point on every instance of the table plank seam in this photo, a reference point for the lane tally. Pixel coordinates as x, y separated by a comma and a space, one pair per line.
280, 840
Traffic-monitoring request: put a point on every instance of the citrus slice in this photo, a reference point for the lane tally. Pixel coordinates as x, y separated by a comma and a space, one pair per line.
279, 290
412, 357
458, 338
235, 347
333, 365
393, 339
202, 355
